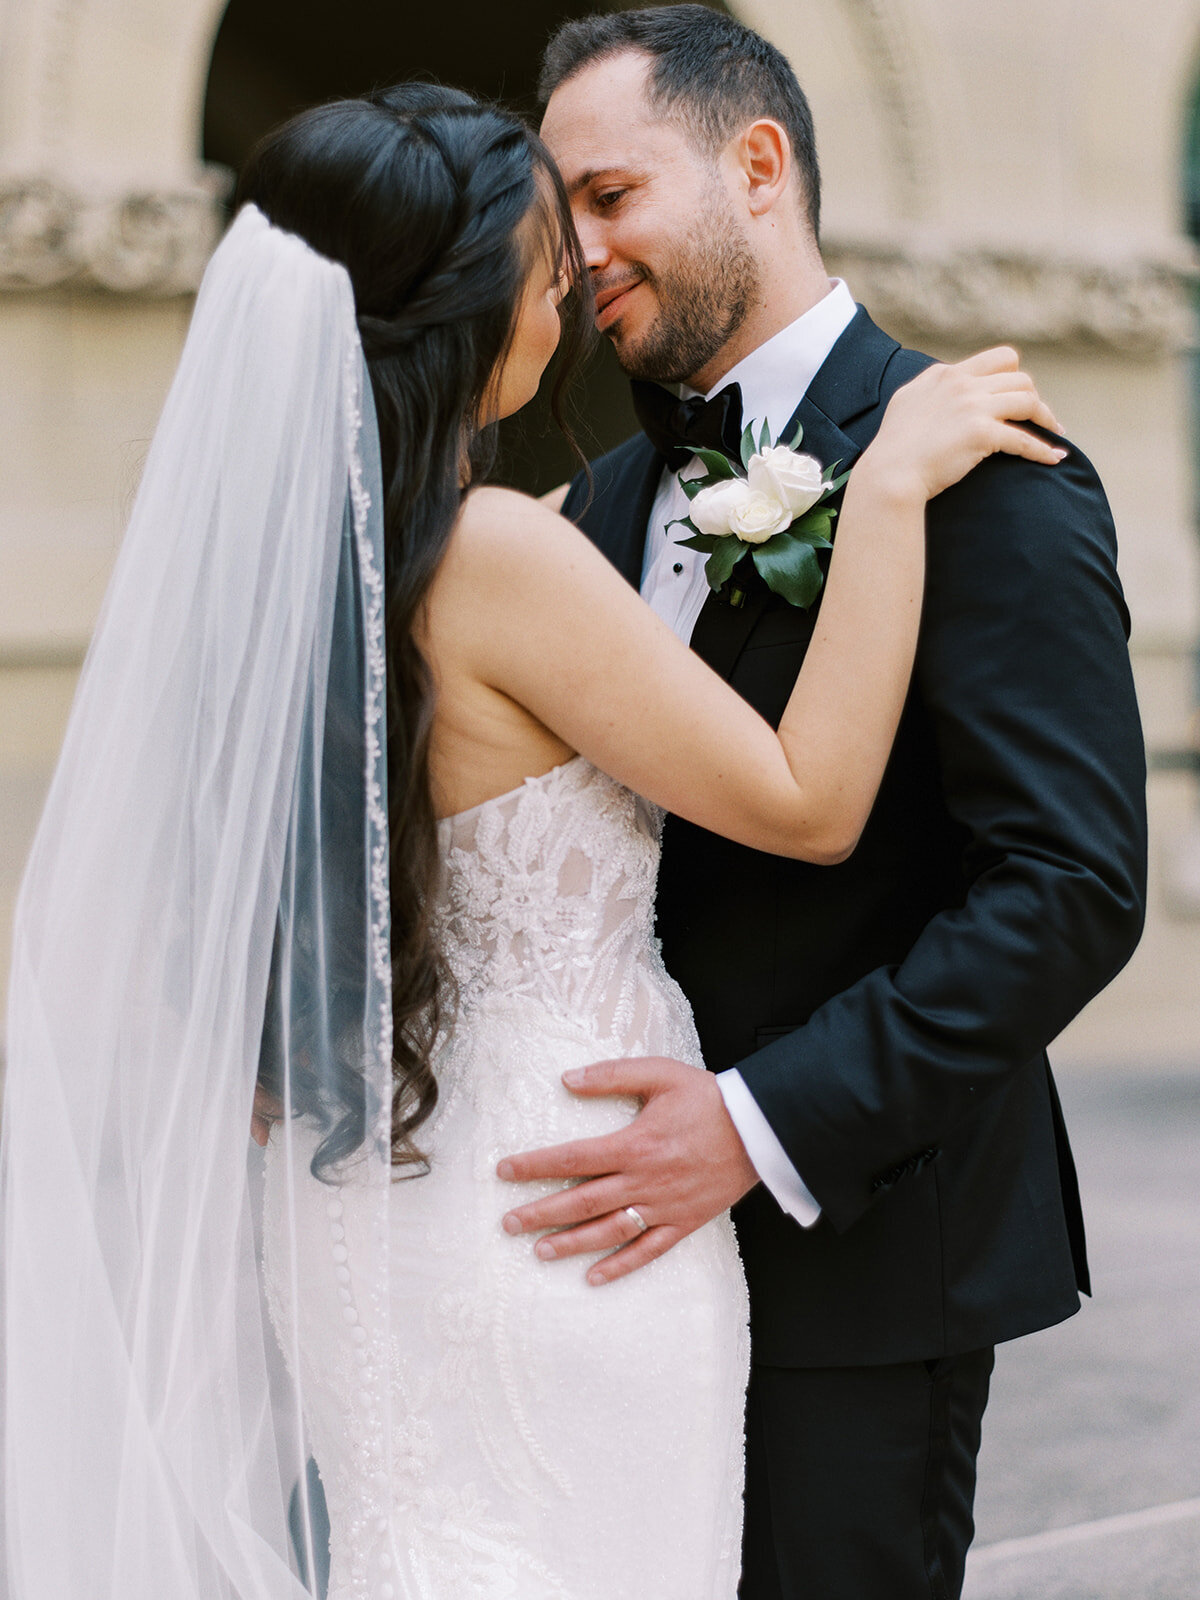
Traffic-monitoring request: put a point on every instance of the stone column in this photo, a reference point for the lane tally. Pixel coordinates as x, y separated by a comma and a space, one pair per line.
106, 220
1014, 173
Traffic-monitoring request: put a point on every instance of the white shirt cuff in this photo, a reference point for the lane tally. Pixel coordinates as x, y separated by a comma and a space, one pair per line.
767, 1155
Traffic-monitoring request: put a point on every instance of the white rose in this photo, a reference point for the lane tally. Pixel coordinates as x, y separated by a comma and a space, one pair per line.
759, 516
787, 476
734, 506
713, 508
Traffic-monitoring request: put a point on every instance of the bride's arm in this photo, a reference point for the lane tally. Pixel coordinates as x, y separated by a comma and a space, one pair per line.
554, 627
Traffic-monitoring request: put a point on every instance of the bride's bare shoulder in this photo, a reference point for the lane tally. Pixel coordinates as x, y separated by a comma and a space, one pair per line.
491, 508
498, 527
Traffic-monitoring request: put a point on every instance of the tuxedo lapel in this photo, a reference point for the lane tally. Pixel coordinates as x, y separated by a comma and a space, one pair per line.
846, 386
626, 542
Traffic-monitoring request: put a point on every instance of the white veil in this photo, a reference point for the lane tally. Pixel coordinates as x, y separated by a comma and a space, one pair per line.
206, 901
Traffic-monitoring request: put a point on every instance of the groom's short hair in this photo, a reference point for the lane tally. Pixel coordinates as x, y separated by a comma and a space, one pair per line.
708, 71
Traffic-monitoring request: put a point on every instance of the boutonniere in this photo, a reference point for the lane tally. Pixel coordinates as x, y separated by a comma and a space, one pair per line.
771, 506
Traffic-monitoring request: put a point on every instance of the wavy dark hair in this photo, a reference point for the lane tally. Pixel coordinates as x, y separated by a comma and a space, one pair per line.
420, 192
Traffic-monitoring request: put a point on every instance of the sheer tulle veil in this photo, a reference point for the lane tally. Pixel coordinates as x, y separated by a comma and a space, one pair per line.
206, 902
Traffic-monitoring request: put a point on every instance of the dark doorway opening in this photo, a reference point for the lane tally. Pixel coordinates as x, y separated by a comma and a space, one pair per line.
273, 58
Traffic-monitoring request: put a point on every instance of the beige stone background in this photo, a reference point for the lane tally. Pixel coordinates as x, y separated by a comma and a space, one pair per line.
1012, 172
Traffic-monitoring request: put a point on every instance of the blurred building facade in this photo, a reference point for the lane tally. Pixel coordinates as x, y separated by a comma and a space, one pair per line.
1016, 173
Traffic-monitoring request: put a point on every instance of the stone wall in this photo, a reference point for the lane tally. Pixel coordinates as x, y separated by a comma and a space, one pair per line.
991, 173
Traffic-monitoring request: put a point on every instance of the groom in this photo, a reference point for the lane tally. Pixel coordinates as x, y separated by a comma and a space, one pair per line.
880, 1108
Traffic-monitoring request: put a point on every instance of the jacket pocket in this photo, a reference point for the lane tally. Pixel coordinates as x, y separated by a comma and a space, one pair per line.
766, 1036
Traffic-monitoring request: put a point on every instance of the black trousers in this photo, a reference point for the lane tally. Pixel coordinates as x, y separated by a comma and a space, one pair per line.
860, 1481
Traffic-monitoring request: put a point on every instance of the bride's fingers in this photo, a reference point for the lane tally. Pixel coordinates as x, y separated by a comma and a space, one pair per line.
646, 1248
1045, 418
1003, 383
1013, 440
1024, 408
1001, 358
1021, 404
1016, 389
1012, 383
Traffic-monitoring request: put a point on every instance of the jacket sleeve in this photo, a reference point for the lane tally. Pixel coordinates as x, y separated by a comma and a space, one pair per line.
1023, 669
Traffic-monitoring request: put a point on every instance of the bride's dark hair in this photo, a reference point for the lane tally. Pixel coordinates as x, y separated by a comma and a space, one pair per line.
420, 191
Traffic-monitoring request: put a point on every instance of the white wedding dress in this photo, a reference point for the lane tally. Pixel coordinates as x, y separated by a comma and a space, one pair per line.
549, 1440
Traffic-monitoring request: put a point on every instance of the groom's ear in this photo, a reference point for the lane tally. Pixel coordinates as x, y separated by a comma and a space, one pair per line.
762, 153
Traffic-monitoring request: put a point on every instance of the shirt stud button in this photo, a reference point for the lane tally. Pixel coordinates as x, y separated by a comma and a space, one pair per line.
678, 567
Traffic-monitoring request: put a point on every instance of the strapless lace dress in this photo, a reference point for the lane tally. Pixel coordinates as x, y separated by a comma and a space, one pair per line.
549, 1440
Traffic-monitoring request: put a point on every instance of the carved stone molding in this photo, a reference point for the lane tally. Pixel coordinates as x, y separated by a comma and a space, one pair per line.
152, 242
1139, 306
896, 73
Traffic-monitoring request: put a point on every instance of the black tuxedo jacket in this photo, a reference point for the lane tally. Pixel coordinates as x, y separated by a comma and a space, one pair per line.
890, 1015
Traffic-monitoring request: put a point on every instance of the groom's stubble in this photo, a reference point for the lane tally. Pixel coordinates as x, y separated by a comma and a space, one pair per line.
704, 286
709, 240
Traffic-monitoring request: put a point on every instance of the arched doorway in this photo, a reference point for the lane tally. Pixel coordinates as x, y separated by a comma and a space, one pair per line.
271, 60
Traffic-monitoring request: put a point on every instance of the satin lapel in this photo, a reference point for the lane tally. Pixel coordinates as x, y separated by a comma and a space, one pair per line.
823, 437
847, 386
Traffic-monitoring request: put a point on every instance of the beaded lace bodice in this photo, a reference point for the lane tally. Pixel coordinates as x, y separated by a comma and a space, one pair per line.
548, 1441
548, 895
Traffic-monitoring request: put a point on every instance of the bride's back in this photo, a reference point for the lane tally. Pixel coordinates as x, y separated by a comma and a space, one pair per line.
433, 203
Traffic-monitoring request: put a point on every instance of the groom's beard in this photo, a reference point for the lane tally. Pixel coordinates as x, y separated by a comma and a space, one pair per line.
704, 294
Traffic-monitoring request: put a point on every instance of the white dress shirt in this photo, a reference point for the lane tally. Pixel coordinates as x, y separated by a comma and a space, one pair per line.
773, 380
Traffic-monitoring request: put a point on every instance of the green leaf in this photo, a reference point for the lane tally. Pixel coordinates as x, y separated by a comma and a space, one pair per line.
834, 484
791, 569
692, 486
718, 465
764, 438
814, 524
699, 541
794, 442
719, 566
747, 446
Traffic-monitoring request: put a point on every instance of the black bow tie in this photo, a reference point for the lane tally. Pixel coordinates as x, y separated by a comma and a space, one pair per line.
678, 428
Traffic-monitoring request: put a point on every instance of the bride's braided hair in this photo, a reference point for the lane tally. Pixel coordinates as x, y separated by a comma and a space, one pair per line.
420, 191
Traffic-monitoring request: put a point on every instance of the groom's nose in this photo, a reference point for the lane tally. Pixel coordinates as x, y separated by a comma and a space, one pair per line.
593, 237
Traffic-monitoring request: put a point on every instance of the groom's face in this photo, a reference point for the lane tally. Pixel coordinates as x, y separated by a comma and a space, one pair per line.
659, 220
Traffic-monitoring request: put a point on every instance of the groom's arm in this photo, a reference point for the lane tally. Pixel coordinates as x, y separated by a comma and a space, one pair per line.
1024, 671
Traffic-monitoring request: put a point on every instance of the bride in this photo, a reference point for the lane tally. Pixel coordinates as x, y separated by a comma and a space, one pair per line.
358, 809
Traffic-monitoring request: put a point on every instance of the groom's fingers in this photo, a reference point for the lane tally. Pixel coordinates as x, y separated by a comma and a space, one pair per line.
648, 1247
606, 1233
569, 1207
639, 1076
582, 1158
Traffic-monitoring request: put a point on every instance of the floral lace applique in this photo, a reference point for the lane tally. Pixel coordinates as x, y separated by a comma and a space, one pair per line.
544, 1440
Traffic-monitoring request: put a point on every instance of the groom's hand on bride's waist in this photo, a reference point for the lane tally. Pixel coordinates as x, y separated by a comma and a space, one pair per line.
676, 1166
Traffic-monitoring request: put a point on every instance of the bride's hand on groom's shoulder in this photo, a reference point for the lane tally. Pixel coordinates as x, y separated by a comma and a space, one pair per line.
943, 423
637, 1192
